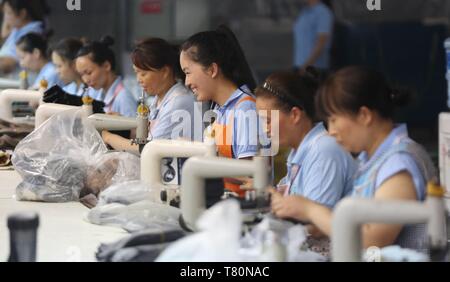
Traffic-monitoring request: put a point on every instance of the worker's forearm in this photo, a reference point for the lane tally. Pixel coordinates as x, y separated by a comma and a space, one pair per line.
321, 217
120, 144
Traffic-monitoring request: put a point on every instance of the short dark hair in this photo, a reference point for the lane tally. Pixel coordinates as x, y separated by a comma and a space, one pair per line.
68, 48
156, 53
353, 87
31, 41
99, 51
291, 89
36, 10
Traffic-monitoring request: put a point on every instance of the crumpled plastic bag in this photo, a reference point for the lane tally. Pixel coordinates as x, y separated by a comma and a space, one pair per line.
219, 239
127, 193
65, 155
394, 254
143, 215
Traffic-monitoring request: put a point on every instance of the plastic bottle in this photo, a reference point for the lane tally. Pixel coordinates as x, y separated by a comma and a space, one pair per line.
23, 235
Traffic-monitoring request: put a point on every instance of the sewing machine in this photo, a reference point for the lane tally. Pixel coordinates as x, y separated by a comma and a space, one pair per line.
154, 170
351, 213
197, 169
117, 123
10, 96
46, 110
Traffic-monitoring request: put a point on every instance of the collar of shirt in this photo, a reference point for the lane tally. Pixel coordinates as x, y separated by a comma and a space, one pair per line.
47, 67
154, 109
400, 131
111, 91
297, 156
237, 94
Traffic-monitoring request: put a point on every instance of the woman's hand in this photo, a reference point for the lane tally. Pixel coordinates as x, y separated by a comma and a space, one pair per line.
294, 207
106, 136
113, 113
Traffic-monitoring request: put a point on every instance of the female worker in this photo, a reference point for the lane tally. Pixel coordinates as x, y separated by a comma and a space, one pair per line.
318, 168
95, 63
63, 57
32, 52
359, 105
216, 70
20, 17
157, 68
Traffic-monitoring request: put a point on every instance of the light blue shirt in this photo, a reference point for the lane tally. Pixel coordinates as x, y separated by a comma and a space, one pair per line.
325, 170
174, 117
311, 22
9, 47
73, 89
245, 129
119, 100
397, 163
49, 73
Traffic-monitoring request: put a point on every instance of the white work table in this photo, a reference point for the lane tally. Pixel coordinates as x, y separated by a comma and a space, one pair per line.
63, 234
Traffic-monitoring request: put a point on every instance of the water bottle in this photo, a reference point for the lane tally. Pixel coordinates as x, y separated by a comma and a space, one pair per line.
447, 51
22, 236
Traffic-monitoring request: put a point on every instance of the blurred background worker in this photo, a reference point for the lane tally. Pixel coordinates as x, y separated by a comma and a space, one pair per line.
20, 17
312, 36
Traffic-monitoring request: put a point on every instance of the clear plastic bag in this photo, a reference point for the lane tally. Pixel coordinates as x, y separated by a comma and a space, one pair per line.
143, 215
65, 155
127, 193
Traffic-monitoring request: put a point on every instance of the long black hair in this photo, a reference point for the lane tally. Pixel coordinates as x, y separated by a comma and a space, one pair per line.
221, 46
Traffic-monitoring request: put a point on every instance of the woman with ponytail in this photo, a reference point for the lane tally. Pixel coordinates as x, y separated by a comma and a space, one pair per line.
318, 168
96, 64
32, 50
216, 70
359, 105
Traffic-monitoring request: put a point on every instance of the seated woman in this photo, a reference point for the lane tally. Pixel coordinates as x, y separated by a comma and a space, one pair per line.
32, 52
95, 62
317, 167
359, 106
217, 70
63, 57
158, 72
20, 17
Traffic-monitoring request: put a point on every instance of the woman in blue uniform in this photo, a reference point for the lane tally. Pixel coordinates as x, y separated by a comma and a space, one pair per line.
158, 72
359, 106
32, 52
96, 64
63, 57
20, 18
217, 70
317, 167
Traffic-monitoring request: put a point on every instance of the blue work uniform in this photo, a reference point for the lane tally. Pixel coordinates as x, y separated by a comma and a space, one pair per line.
174, 116
9, 47
319, 169
398, 153
312, 22
48, 73
119, 100
238, 122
